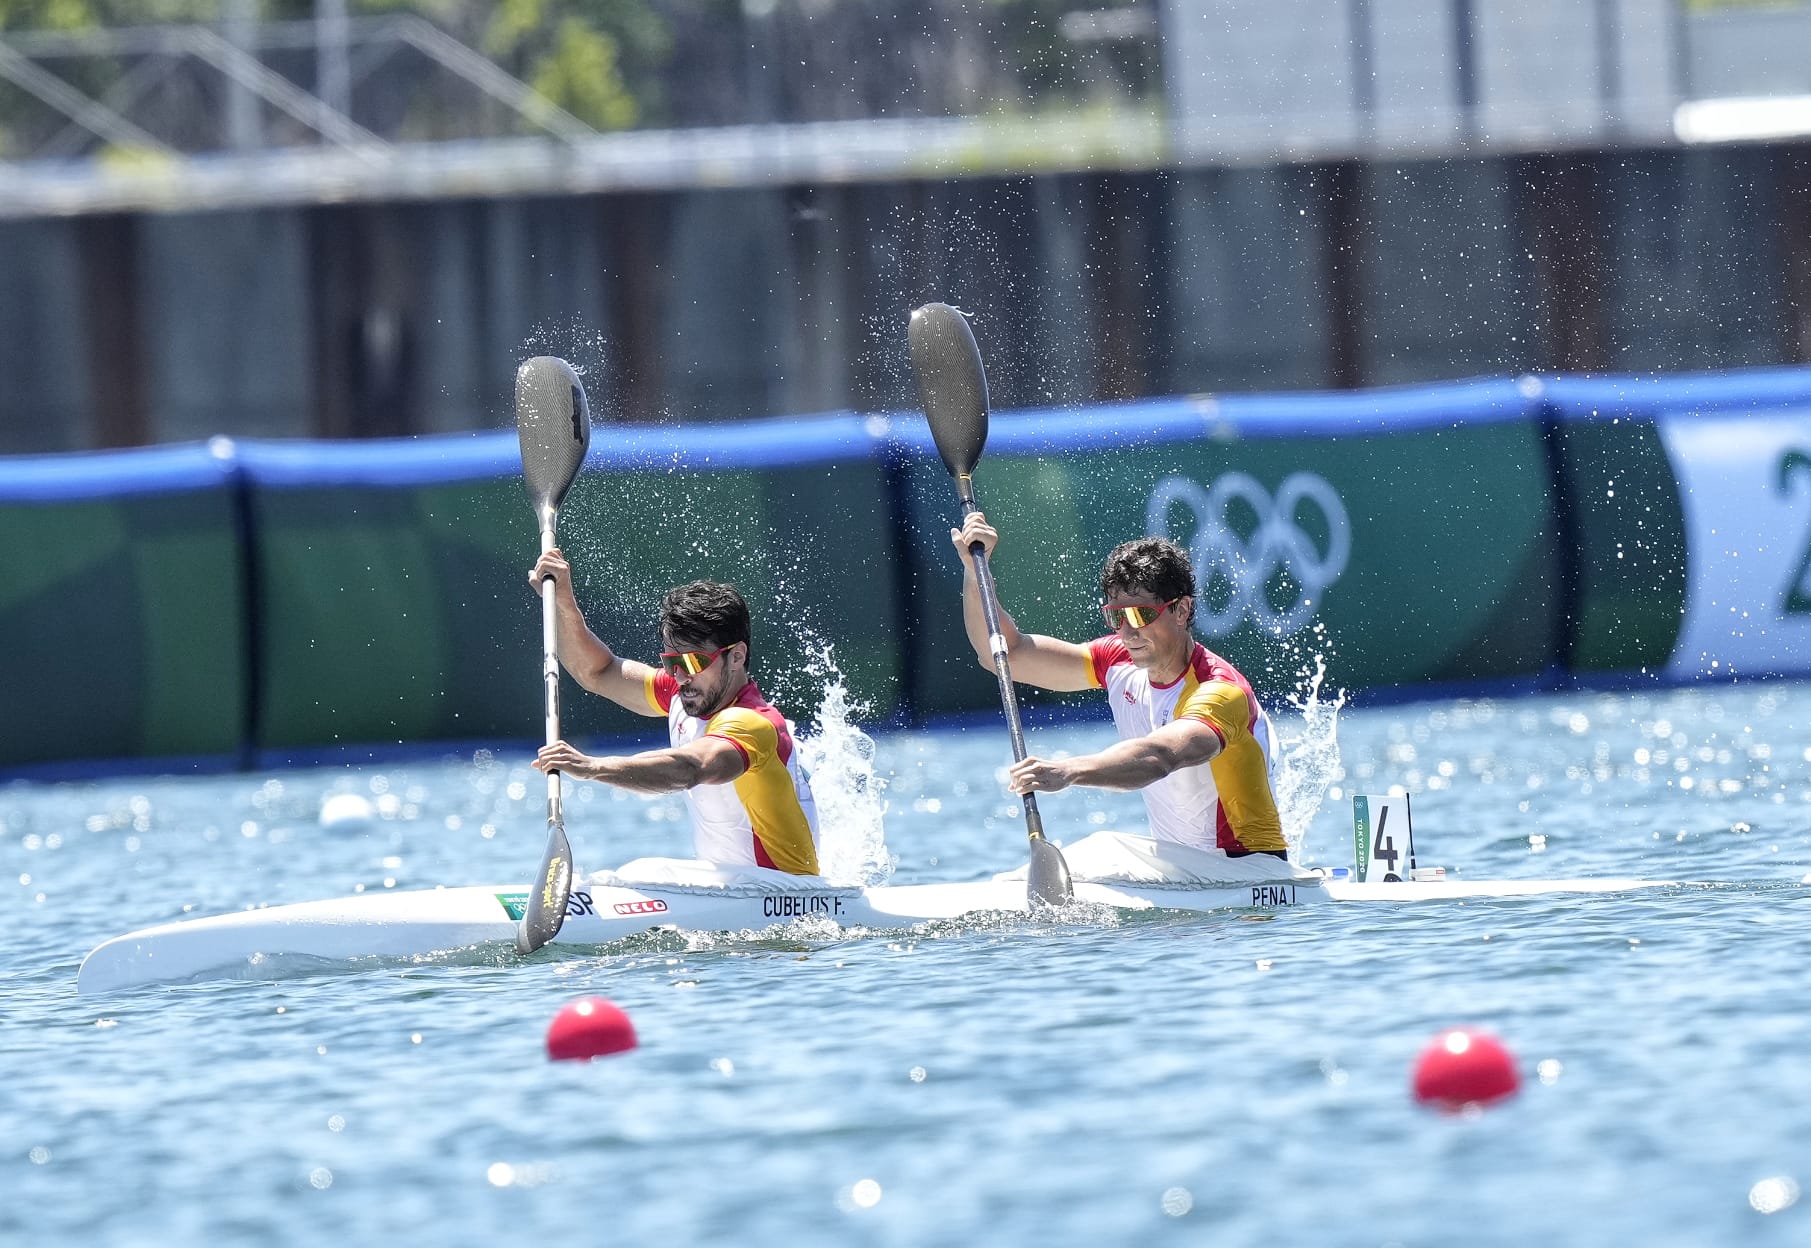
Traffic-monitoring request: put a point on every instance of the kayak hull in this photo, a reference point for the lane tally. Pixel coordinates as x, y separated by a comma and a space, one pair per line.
426, 923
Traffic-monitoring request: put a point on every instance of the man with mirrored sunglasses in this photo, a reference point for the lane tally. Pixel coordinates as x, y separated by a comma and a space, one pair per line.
1193, 736
731, 753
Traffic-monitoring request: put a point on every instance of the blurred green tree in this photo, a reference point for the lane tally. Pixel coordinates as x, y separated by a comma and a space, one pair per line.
598, 59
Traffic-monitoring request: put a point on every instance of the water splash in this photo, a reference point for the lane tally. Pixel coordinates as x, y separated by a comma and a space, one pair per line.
579, 344
1307, 757
851, 797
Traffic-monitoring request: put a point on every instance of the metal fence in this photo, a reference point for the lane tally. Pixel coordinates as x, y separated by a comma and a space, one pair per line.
708, 93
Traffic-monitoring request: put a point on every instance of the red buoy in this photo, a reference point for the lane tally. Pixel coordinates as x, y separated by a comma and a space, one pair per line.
587, 1028
1464, 1066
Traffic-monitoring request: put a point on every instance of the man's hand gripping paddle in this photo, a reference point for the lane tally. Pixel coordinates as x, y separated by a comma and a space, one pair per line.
952, 387
555, 427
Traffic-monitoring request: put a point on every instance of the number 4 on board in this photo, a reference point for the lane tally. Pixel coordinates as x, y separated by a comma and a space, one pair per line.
1380, 825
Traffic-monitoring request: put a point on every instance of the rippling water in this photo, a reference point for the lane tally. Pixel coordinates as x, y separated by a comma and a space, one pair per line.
1225, 1078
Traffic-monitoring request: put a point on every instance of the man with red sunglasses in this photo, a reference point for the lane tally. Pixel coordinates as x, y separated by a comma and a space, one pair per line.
1193, 736
731, 752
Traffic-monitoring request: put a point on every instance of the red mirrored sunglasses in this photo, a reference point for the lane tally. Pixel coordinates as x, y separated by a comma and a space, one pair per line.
1137, 617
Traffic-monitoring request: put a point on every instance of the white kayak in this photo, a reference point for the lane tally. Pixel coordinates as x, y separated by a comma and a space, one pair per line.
1112, 870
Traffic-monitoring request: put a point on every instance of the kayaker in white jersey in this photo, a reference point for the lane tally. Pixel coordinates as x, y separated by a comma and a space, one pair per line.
731, 752
1193, 736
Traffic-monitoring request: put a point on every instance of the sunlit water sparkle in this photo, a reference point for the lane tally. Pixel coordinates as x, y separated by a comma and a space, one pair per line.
1089, 1079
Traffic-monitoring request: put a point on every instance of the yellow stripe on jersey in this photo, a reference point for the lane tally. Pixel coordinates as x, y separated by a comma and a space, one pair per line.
1241, 773
766, 789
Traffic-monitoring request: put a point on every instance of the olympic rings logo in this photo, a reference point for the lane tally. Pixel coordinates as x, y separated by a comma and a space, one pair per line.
1252, 549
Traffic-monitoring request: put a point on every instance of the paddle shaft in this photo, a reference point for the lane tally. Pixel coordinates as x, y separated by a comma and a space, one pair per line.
550, 678
996, 644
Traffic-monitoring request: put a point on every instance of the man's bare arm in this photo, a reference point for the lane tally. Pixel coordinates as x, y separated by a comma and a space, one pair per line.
582, 653
708, 760
1124, 765
1047, 662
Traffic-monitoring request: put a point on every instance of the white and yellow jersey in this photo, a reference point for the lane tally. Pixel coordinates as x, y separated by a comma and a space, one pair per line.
765, 817
1225, 803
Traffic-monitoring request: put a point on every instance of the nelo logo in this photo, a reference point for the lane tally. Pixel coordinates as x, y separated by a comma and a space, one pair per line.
651, 906
1251, 551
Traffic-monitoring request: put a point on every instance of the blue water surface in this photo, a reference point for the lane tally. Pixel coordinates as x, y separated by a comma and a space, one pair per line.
1156, 1078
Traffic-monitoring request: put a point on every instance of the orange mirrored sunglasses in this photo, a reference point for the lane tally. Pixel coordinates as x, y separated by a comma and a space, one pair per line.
690, 662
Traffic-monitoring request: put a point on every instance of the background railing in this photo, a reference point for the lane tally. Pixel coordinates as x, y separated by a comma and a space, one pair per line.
362, 101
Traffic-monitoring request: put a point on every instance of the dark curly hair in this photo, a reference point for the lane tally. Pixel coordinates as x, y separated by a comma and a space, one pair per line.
1148, 565
705, 613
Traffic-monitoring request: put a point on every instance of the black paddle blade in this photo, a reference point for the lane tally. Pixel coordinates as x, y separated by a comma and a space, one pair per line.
952, 387
554, 423
547, 899
1048, 880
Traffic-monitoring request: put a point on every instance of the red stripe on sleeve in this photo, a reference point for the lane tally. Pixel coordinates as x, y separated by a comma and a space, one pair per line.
1104, 652
1201, 718
741, 749
662, 689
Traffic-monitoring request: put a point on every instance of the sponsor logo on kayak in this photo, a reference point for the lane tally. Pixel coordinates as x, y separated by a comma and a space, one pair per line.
803, 906
578, 904
652, 905
1273, 894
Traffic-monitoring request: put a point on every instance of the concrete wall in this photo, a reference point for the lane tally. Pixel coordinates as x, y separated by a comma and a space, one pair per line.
701, 306
45, 397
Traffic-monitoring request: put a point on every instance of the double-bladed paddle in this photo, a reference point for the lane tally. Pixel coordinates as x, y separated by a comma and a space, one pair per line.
554, 423
952, 387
